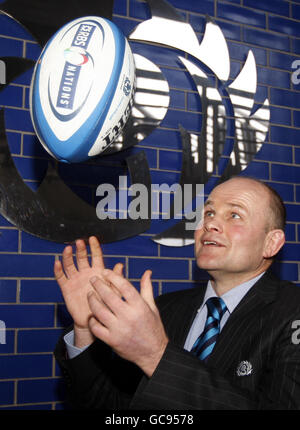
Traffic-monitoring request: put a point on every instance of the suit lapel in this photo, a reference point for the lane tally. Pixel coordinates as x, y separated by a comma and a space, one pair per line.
242, 320
184, 316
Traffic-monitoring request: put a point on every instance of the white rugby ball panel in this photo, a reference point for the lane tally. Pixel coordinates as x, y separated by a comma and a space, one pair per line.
82, 85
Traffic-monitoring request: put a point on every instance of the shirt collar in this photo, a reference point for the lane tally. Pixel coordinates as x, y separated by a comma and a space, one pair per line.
233, 296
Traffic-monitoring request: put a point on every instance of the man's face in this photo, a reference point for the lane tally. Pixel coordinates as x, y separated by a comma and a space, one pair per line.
231, 237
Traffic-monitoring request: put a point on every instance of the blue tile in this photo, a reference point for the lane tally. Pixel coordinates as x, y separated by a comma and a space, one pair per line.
41, 390
30, 243
32, 147
277, 153
293, 211
297, 155
296, 11
168, 287
11, 27
8, 290
230, 31
286, 191
285, 98
284, 135
14, 142
280, 116
31, 168
170, 160
283, 25
17, 119
138, 245
290, 232
38, 340
139, 10
17, 265
274, 78
194, 102
296, 117
125, 25
9, 240
33, 50
25, 366
241, 15
295, 45
10, 47
266, 39
177, 99
259, 170
240, 52
7, 392
205, 6
120, 8
281, 61
277, 6
191, 121
178, 79
7, 345
11, 95
18, 316
169, 139
197, 22
40, 291
174, 251
290, 252
285, 271
286, 173
161, 269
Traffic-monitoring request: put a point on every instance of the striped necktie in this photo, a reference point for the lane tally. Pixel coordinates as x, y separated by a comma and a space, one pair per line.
205, 343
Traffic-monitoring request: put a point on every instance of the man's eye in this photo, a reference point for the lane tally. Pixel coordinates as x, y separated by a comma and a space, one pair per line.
235, 215
208, 214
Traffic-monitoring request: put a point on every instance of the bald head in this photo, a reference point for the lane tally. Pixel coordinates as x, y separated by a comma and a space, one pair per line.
276, 214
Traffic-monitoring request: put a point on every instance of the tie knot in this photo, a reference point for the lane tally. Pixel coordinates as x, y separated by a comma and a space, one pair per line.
216, 307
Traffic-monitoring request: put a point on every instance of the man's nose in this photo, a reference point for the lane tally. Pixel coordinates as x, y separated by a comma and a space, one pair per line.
213, 224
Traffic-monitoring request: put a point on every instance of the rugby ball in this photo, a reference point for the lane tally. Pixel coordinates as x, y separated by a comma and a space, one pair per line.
82, 89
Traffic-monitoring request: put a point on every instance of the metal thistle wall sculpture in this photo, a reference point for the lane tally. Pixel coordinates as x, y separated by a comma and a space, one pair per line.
232, 132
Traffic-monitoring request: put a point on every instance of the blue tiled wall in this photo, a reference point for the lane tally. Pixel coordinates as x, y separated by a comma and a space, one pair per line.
31, 304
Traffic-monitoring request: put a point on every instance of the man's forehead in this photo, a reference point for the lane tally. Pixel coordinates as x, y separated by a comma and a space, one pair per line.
237, 192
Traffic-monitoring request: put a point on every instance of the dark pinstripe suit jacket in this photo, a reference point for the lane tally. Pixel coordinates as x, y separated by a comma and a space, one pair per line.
259, 332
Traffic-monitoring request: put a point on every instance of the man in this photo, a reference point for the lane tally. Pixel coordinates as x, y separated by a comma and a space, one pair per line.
245, 360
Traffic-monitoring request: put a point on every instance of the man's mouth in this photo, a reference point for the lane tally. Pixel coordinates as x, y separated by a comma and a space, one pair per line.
211, 243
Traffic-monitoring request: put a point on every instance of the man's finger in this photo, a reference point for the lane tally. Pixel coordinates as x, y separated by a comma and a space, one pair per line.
108, 295
68, 262
97, 256
59, 274
81, 255
100, 310
147, 290
127, 290
118, 269
99, 330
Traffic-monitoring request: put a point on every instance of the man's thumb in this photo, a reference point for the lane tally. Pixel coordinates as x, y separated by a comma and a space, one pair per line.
147, 290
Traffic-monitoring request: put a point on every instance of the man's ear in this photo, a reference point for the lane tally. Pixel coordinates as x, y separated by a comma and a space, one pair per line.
274, 241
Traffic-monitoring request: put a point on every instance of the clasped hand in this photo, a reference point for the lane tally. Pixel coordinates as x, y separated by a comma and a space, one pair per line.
127, 321
104, 304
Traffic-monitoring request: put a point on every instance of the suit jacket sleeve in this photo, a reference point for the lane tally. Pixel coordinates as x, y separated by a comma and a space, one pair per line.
97, 378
